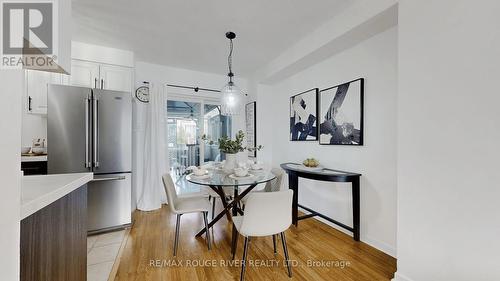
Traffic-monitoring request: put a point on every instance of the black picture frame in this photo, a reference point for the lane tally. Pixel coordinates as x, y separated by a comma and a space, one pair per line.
356, 138
314, 126
248, 125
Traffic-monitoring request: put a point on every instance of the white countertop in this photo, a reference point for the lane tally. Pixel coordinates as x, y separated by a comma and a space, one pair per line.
33, 158
38, 192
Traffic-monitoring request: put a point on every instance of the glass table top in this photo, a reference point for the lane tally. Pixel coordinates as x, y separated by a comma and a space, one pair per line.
219, 177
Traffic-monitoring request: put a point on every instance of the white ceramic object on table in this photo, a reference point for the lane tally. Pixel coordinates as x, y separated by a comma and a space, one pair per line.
199, 172
259, 165
25, 149
230, 162
241, 172
235, 177
312, 169
201, 177
38, 150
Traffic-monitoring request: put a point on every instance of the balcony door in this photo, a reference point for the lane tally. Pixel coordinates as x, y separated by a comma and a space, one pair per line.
189, 119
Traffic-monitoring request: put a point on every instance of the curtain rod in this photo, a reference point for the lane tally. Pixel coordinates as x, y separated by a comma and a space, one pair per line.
196, 89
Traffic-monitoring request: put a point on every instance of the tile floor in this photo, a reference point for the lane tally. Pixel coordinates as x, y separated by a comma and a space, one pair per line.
102, 251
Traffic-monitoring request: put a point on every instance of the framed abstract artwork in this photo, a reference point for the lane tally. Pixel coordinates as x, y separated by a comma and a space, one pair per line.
341, 114
304, 116
251, 127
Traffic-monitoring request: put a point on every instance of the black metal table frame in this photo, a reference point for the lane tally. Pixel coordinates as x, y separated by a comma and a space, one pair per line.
353, 178
231, 205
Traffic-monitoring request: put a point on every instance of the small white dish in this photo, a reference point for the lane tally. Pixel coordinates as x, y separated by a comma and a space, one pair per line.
241, 172
257, 166
25, 149
235, 177
199, 171
38, 150
190, 168
312, 169
202, 177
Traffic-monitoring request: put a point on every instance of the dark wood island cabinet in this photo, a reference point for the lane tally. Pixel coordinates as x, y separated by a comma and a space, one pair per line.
54, 240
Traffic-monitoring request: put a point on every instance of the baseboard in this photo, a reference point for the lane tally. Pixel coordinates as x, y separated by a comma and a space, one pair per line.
400, 277
384, 247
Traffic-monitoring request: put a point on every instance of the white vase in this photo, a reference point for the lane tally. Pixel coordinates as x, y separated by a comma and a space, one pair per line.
230, 162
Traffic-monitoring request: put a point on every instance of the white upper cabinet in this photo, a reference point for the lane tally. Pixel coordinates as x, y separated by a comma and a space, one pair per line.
84, 74
36, 89
116, 78
101, 76
91, 67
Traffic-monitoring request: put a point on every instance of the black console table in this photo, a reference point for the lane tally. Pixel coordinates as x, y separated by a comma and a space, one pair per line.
296, 171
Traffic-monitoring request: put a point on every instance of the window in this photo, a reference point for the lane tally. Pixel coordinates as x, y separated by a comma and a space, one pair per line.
215, 126
183, 133
187, 121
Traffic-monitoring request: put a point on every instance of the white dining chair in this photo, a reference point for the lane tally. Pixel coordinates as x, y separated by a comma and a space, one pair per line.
184, 205
271, 186
266, 214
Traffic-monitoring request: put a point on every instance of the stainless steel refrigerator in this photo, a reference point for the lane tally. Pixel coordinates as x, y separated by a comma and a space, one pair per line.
90, 130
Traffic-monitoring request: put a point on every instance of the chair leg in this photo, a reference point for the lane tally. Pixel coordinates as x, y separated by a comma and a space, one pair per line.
213, 207
244, 263
234, 241
274, 244
177, 226
285, 250
207, 231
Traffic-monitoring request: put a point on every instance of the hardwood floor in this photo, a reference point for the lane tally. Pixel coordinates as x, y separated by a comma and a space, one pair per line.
148, 253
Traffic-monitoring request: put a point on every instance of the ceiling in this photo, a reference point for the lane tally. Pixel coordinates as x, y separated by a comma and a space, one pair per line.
190, 33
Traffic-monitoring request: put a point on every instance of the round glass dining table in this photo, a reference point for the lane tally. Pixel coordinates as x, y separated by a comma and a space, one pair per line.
217, 178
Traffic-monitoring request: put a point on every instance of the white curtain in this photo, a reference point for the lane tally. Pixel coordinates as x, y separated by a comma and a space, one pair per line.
150, 192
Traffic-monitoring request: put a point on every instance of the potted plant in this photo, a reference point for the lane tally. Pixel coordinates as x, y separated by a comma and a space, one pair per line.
231, 147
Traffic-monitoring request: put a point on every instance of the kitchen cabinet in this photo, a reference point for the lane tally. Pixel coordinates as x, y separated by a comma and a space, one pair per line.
34, 168
53, 242
84, 74
101, 76
36, 89
116, 78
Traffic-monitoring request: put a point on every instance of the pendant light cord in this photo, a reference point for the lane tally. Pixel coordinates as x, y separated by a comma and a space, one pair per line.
230, 61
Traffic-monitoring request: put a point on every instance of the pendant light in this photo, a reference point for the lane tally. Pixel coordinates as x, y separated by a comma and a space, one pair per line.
230, 95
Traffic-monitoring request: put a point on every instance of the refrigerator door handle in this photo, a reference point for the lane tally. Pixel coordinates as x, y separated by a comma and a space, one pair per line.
96, 132
87, 133
110, 178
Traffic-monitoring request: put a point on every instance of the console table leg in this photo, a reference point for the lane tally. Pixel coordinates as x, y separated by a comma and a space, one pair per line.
355, 208
293, 184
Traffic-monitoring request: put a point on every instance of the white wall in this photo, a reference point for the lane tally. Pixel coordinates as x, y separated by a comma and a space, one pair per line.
376, 60
448, 178
10, 172
33, 126
264, 96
